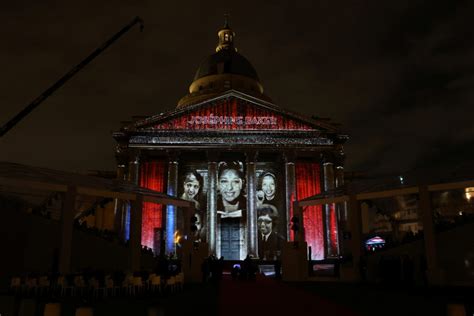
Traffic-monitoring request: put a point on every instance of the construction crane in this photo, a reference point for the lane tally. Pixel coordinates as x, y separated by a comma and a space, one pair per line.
33, 105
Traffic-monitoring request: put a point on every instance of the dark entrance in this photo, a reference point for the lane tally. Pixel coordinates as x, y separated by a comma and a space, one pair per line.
230, 238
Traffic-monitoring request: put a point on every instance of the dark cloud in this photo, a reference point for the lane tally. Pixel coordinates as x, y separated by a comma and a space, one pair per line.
397, 74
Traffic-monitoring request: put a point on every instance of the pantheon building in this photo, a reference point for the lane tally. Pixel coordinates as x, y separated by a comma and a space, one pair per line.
241, 159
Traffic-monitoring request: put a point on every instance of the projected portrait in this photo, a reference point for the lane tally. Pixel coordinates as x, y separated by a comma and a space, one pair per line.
231, 201
270, 191
269, 240
267, 186
192, 185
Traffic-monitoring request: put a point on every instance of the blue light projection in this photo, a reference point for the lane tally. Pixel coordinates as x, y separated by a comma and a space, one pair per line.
170, 223
127, 221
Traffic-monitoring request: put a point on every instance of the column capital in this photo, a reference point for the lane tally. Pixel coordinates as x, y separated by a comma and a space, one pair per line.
121, 151
327, 157
280, 157
289, 157
173, 155
339, 157
212, 156
134, 156
251, 155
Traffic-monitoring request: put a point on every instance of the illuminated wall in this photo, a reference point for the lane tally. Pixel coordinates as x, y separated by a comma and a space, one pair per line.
232, 114
152, 176
308, 183
232, 203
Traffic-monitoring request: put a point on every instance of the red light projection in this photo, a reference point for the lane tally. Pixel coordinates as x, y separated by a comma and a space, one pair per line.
233, 114
308, 183
152, 176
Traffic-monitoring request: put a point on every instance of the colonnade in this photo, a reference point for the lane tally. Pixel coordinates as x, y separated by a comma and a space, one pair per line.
332, 177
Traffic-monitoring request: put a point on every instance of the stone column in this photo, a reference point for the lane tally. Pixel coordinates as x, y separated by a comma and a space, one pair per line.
339, 174
290, 187
135, 245
341, 208
171, 211
435, 274
251, 204
212, 203
119, 205
132, 176
329, 186
134, 168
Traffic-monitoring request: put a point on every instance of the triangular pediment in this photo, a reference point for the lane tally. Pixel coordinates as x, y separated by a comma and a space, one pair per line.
232, 111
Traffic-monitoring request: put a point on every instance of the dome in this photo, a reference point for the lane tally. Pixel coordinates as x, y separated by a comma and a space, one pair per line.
224, 70
226, 61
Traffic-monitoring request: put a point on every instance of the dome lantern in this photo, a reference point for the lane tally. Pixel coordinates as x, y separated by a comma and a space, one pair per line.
226, 37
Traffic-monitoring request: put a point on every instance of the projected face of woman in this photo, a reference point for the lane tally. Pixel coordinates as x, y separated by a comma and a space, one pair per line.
191, 187
230, 185
268, 187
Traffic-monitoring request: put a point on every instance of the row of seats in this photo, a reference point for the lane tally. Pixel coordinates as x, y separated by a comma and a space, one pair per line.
81, 286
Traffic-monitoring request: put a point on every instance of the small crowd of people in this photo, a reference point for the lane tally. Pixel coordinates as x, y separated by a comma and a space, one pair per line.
245, 271
396, 269
212, 269
393, 269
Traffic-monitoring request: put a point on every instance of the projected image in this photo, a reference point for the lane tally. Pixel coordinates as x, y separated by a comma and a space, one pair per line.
192, 184
192, 189
267, 189
269, 240
231, 200
271, 214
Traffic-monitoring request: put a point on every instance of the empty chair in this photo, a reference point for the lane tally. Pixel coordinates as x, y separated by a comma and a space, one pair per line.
156, 284
31, 285
15, 285
171, 284
79, 284
63, 286
44, 285
127, 284
96, 287
110, 287
148, 281
137, 285
180, 281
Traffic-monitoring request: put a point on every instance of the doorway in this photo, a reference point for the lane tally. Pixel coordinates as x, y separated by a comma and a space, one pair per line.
230, 238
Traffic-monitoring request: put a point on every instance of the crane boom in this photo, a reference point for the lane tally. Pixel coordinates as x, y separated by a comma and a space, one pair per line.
30, 107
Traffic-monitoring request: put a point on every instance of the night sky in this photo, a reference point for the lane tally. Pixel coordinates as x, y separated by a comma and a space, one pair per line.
398, 75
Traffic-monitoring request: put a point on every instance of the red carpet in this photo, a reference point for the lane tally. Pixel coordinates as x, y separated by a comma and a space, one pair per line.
266, 296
